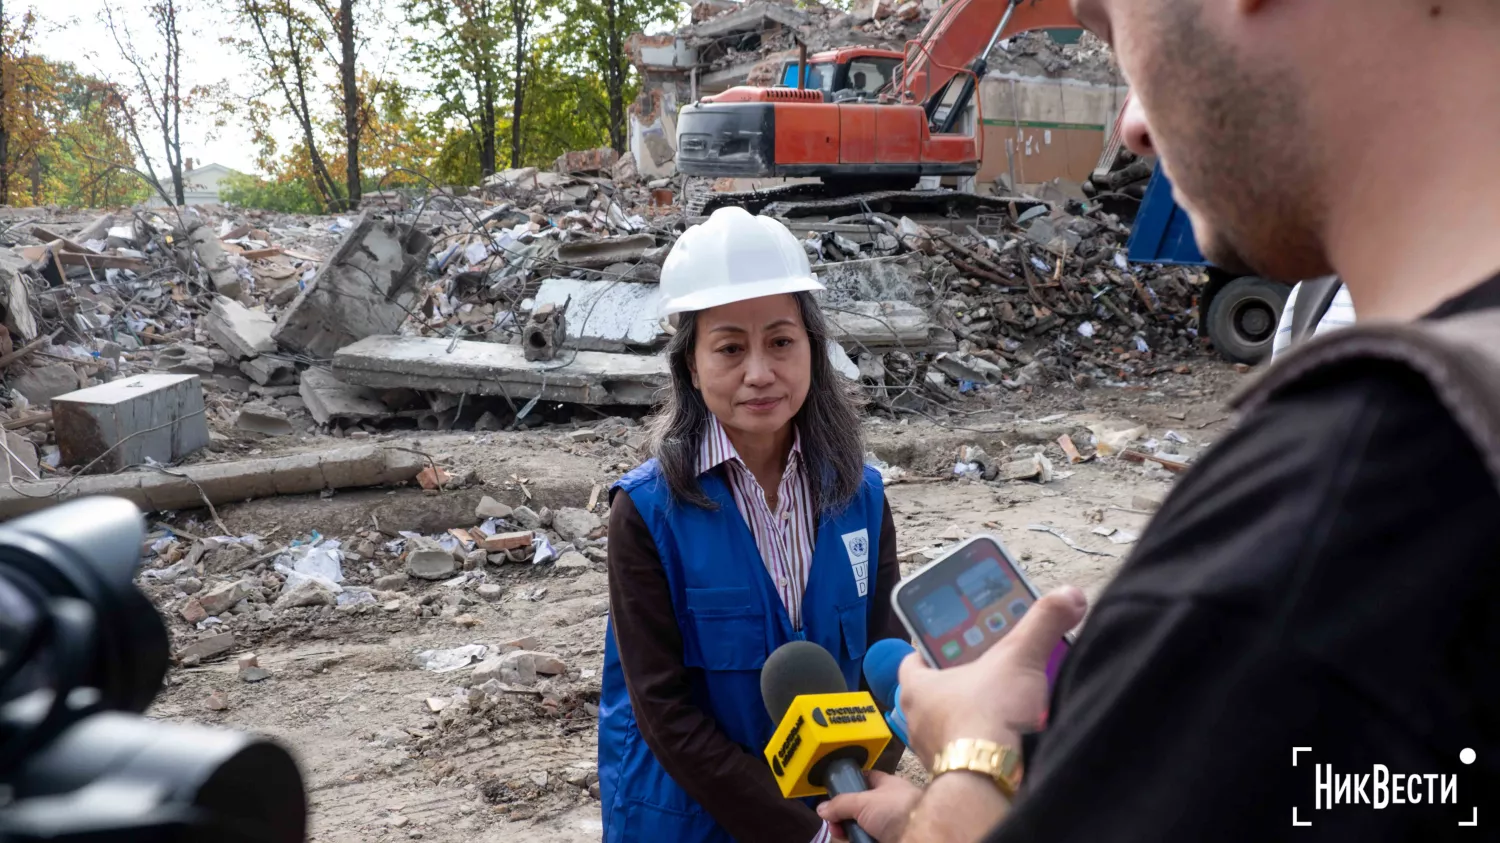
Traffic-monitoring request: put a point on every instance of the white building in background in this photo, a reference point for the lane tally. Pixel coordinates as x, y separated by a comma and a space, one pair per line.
200, 186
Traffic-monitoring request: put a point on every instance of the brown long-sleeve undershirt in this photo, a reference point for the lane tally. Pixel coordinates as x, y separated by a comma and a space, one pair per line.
735, 786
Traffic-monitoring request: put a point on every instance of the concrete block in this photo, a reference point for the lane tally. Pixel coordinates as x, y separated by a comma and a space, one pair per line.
237, 329
484, 368
599, 253
269, 371
263, 418
223, 275
328, 398
365, 288
129, 420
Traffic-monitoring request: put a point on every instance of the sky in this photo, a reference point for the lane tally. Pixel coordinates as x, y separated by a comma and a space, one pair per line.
70, 30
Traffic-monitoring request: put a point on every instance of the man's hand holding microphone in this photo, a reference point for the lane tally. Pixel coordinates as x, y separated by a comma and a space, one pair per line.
991, 701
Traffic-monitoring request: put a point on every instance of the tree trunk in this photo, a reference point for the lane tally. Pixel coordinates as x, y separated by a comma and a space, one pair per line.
4, 118
171, 129
614, 77
324, 179
518, 13
486, 90
352, 128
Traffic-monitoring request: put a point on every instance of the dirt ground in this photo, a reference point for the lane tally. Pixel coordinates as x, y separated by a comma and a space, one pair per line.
346, 694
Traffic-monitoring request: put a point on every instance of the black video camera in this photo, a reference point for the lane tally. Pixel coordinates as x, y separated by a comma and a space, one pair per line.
82, 654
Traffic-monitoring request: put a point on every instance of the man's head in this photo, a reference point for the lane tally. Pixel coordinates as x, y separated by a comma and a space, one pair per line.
1263, 109
1229, 116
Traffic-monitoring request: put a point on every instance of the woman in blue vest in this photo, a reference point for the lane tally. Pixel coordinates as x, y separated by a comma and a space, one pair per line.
756, 523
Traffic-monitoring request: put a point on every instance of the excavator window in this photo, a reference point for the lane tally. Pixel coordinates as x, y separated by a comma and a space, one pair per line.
868, 75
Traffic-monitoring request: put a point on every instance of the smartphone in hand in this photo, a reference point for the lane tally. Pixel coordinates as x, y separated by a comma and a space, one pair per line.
959, 605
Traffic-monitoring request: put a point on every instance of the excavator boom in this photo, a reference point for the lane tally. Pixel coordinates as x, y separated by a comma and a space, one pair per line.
963, 30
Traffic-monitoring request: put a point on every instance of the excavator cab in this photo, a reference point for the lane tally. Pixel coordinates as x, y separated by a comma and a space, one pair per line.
864, 119
848, 75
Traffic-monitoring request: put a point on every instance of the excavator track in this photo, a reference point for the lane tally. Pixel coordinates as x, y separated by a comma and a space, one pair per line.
808, 200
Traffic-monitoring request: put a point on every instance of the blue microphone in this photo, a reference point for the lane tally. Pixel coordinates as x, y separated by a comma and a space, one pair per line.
882, 666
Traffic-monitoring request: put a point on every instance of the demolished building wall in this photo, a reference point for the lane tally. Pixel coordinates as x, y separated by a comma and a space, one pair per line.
1039, 129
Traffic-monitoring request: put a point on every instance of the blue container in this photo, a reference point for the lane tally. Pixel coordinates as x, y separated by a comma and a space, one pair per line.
1163, 233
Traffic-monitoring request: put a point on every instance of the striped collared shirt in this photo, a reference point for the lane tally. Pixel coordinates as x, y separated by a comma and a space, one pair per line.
785, 536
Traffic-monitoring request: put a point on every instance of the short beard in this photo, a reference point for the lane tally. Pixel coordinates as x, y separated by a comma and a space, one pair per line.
1233, 133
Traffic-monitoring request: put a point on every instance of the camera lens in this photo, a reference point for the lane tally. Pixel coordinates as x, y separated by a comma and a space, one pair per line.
18, 623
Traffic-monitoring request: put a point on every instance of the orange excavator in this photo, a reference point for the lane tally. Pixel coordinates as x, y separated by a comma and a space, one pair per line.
865, 123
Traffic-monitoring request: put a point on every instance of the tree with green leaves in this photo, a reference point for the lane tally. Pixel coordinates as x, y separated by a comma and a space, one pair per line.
475, 51
599, 29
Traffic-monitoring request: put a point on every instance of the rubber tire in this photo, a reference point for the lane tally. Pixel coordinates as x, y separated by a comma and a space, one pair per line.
1228, 307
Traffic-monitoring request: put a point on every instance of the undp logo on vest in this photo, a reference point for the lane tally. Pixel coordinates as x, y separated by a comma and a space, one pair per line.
857, 544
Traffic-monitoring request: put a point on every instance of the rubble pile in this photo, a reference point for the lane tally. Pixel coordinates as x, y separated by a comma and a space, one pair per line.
1051, 296
469, 308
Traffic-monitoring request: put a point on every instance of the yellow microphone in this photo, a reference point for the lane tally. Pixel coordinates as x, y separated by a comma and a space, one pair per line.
828, 736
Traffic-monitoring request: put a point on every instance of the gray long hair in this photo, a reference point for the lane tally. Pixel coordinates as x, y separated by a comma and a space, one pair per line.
828, 423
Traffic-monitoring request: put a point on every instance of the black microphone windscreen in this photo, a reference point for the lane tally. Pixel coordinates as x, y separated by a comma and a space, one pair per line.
794, 669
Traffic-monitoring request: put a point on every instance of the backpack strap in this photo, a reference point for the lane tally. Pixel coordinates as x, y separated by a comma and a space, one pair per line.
1313, 302
1458, 356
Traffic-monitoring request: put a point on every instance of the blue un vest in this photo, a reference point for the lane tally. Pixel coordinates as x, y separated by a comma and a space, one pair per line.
731, 618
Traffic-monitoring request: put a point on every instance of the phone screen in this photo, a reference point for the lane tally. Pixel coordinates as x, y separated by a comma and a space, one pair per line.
966, 601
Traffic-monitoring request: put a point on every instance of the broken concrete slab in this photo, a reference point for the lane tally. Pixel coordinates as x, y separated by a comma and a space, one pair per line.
225, 482
367, 287
41, 384
599, 253
888, 325
264, 419
221, 273
207, 648
753, 17
481, 368
131, 421
606, 315
269, 371
237, 329
184, 358
327, 398
17, 297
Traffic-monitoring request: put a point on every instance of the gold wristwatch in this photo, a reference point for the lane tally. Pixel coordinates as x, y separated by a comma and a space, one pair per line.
1002, 764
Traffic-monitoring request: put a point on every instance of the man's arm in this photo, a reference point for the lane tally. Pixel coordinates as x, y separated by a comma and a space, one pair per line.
735, 787
1313, 583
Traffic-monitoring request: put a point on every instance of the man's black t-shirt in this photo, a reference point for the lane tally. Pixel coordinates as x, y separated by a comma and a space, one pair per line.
1328, 577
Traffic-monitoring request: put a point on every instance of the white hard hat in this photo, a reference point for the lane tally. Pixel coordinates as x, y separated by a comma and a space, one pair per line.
733, 257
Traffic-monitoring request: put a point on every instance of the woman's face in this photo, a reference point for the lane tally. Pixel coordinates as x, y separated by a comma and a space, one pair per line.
752, 361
